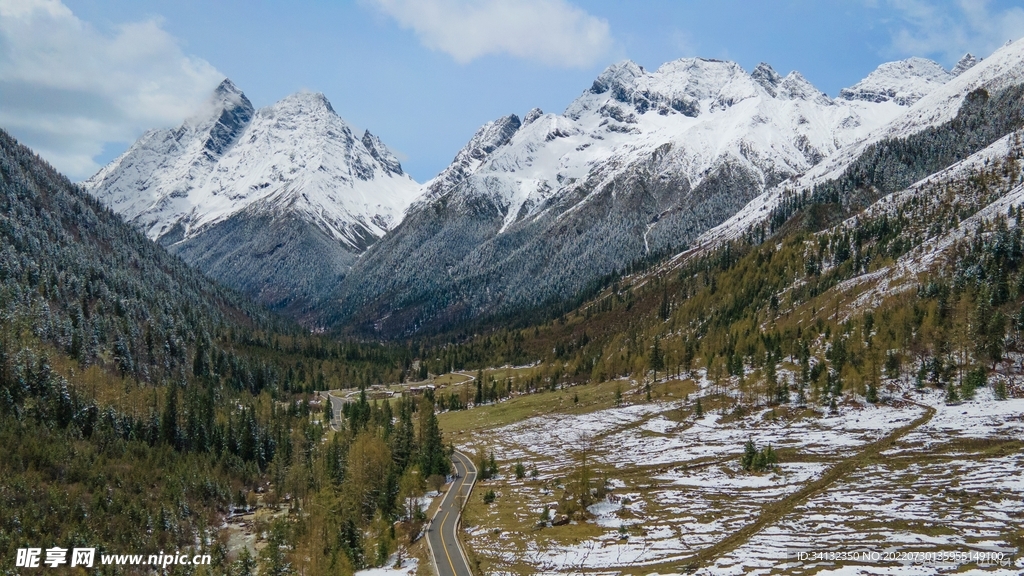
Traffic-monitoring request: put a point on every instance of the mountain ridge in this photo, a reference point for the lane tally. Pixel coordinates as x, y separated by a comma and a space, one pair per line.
639, 164
212, 189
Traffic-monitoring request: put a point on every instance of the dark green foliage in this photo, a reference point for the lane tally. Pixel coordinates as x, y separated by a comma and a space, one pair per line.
433, 458
754, 460
999, 389
973, 380
140, 401
657, 359
952, 397
489, 497
894, 164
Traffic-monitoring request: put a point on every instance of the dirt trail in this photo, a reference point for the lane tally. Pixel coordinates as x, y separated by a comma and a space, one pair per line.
774, 511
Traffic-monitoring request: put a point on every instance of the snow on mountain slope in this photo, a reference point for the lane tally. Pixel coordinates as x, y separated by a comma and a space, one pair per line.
1004, 68
707, 112
296, 156
639, 164
276, 202
924, 197
903, 82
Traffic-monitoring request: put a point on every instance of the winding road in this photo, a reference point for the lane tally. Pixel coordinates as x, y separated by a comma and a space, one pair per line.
442, 535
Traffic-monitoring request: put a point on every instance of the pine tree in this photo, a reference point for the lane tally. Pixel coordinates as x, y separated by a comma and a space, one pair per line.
245, 565
1000, 389
432, 453
872, 395
699, 409
169, 419
657, 360
951, 396
749, 454
520, 470
403, 441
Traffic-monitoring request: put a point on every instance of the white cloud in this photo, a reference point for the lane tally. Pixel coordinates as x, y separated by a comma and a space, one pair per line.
68, 89
926, 29
551, 31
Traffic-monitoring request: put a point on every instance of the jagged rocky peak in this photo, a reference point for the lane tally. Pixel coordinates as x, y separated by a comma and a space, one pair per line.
226, 96
795, 87
381, 153
487, 139
492, 135
965, 64
532, 115
693, 78
767, 77
618, 79
223, 119
903, 82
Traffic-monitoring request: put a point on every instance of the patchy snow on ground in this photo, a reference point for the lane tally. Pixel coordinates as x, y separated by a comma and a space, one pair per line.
408, 568
675, 486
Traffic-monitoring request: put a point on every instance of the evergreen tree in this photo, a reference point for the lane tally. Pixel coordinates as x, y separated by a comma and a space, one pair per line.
657, 360
169, 419
245, 565
872, 395
973, 380
433, 459
1000, 389
403, 441
951, 395
749, 454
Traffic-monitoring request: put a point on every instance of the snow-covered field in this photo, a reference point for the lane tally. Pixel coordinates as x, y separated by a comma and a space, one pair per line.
952, 484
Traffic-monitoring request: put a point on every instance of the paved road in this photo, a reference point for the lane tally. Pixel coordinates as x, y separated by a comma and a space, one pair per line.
442, 536
335, 409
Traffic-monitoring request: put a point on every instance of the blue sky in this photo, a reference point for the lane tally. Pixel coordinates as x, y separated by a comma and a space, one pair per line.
422, 74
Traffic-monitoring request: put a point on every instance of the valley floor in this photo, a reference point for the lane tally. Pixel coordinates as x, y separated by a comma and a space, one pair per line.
909, 475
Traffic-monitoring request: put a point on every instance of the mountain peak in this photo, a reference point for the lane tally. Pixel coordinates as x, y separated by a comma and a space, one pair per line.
964, 64
305, 102
767, 77
486, 140
795, 87
903, 82
221, 119
225, 97
532, 115
227, 87
617, 79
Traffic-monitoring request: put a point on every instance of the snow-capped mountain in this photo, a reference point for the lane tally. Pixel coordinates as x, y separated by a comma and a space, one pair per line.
200, 189
640, 164
1003, 69
903, 82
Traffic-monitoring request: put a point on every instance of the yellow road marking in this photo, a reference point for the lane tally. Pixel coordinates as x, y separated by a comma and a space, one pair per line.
441, 527
445, 546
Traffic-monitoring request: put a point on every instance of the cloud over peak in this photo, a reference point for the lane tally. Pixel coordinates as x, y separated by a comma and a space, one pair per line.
68, 89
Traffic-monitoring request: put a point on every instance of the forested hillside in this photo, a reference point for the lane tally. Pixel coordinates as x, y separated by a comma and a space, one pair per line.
923, 286
140, 402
